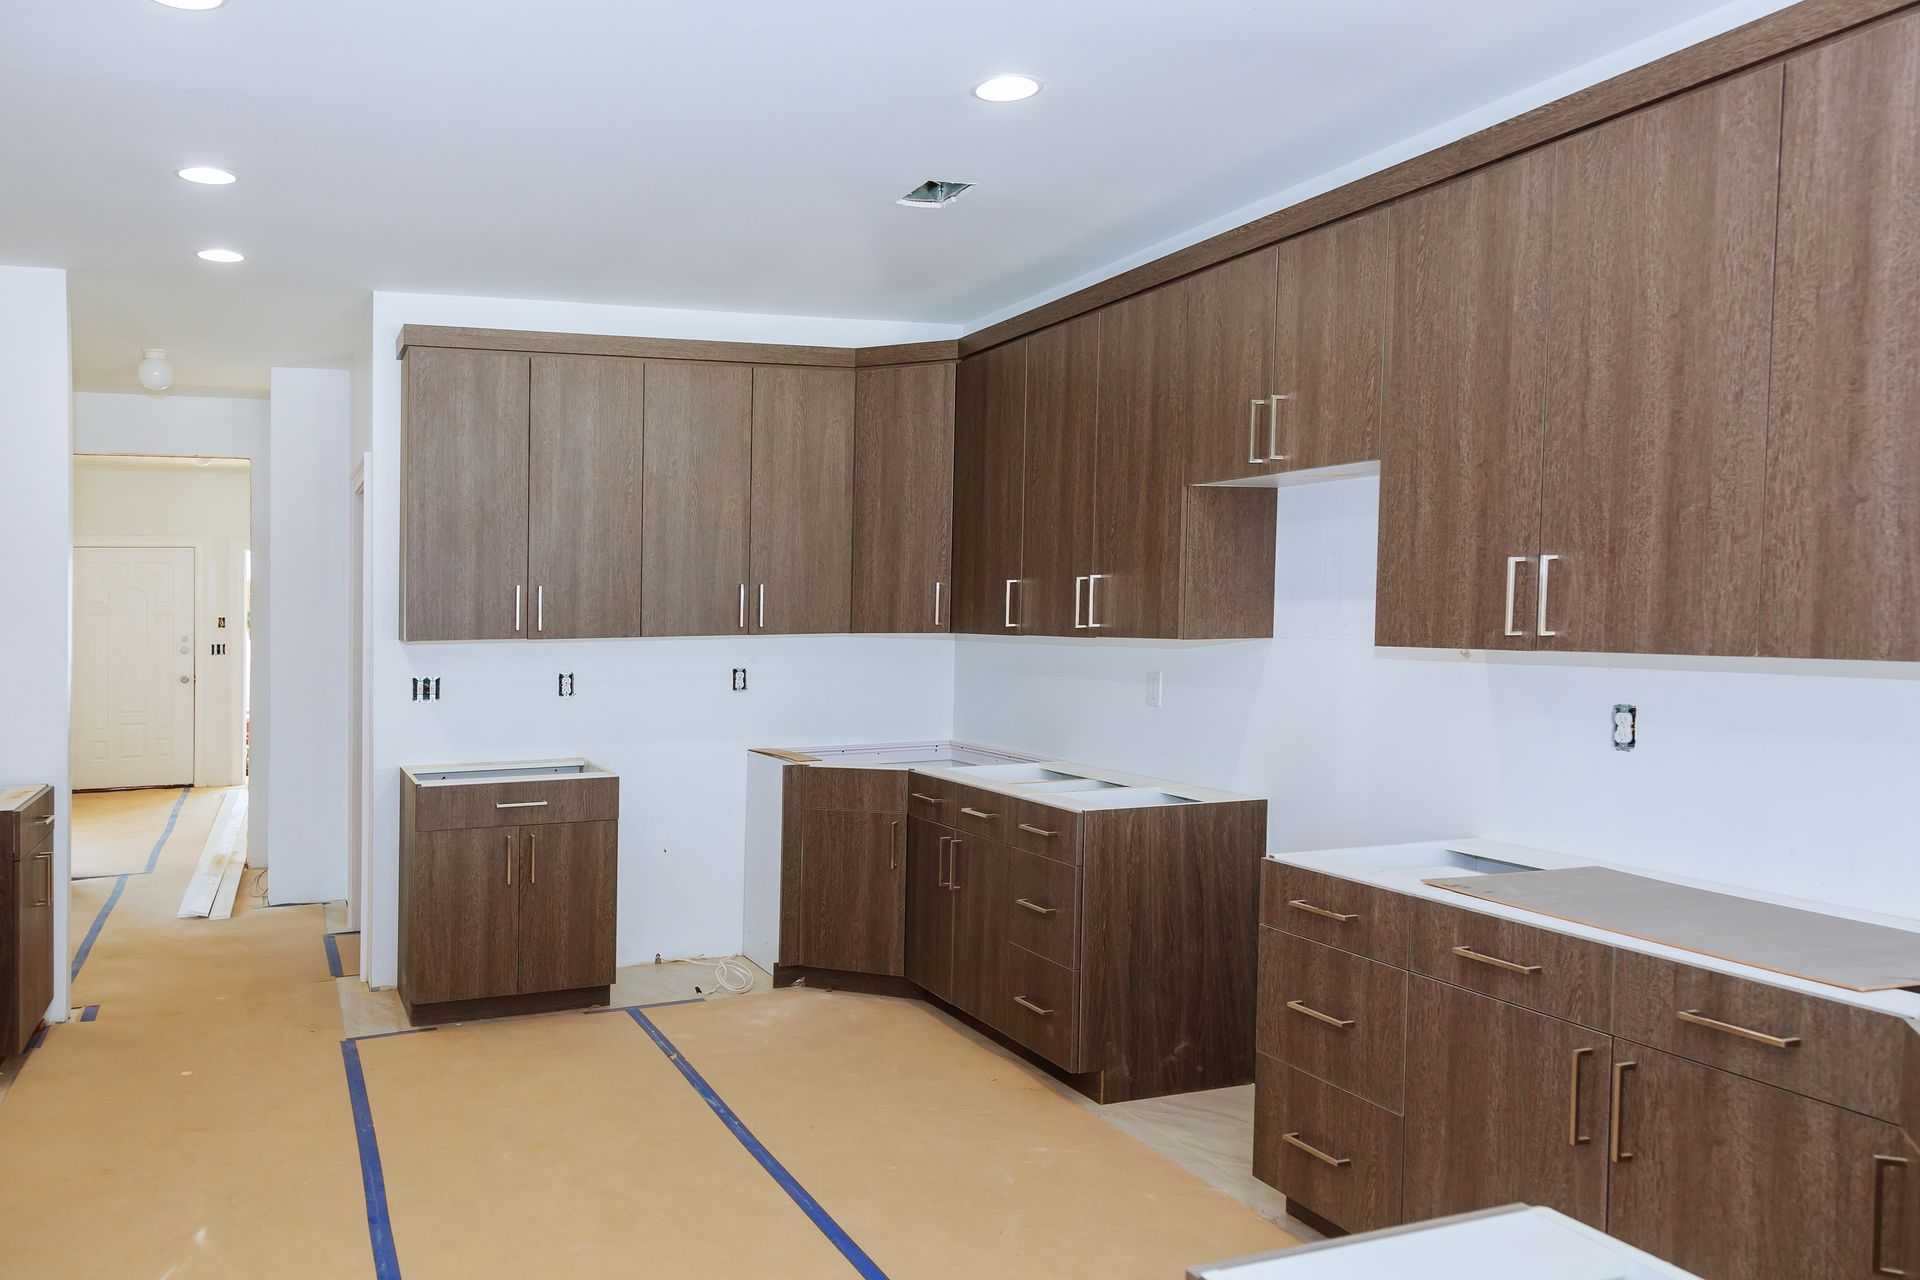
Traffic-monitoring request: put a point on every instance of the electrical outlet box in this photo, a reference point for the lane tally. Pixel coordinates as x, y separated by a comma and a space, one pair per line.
1626, 726
565, 689
1156, 688
739, 679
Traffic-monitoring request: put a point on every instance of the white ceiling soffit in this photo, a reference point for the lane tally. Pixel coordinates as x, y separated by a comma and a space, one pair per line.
741, 156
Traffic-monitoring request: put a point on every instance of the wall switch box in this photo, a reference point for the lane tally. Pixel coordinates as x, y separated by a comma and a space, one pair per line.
1156, 687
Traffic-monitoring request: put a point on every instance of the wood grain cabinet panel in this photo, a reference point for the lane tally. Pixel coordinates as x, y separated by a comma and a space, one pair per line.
463, 559
1544, 969
1330, 340
1334, 1015
829, 787
1041, 903
698, 488
1230, 369
978, 874
460, 908
1335, 1155
1662, 272
853, 914
1737, 1180
1037, 1003
584, 487
1342, 913
1062, 454
567, 906
26, 919
1843, 455
903, 499
517, 804
1503, 1105
930, 911
989, 444
1464, 402
802, 500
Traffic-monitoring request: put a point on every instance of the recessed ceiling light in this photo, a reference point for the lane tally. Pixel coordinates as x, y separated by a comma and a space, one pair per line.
207, 175
933, 194
222, 255
1007, 88
193, 4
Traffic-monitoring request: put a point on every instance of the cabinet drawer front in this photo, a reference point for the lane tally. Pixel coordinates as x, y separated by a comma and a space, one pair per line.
1334, 1015
1043, 907
32, 826
1555, 973
516, 804
1351, 1173
1043, 829
858, 790
1037, 1006
981, 813
1840, 1054
1341, 913
36, 836
932, 799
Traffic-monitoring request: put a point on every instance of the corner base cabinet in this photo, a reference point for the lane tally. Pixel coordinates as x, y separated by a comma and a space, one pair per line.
26, 913
508, 875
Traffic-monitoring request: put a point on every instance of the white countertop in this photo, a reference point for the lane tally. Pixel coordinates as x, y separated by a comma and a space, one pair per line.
1403, 868
485, 772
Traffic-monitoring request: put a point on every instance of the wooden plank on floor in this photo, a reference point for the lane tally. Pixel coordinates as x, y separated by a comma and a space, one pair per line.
230, 882
222, 849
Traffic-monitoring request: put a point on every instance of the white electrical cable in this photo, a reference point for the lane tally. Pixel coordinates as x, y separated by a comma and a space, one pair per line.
728, 971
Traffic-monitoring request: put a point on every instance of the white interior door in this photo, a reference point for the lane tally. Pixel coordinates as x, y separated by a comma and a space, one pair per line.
133, 638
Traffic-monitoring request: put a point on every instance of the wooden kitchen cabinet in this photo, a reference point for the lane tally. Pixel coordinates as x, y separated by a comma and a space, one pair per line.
461, 933
929, 946
977, 877
26, 914
698, 473
853, 914
1062, 455
1842, 558
1329, 344
989, 446
463, 526
1503, 1105
1733, 1179
903, 499
567, 907
584, 487
1230, 370
802, 521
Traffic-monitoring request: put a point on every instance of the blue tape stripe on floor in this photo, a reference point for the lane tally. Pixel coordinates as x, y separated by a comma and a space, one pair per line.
386, 1263
90, 1013
153, 859
657, 1004
93, 931
333, 956
835, 1234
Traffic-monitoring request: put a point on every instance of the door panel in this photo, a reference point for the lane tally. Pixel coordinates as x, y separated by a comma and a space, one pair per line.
567, 906
1503, 1105
1230, 368
1330, 339
698, 475
1842, 550
463, 914
464, 480
802, 524
1063, 385
929, 947
585, 480
903, 499
989, 446
133, 654
1663, 233
1465, 394
33, 889
854, 878
979, 876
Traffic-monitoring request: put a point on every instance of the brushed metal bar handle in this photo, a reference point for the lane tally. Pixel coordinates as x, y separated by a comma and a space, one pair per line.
516, 606
1513, 567
1078, 583
893, 844
1092, 593
1614, 1153
1035, 907
1540, 620
46, 821
1301, 904
1340, 1023
1038, 831
953, 880
520, 804
763, 606
743, 606
1273, 429
533, 859
975, 813
929, 799
540, 608
509, 859
1880, 1162
1253, 433
936, 601
46, 895
941, 863
1007, 616
1574, 1137
1025, 1003
1468, 953
1332, 1162
1698, 1019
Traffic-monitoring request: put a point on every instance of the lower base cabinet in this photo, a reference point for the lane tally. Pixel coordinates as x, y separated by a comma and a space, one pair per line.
854, 867
26, 914
1337, 1155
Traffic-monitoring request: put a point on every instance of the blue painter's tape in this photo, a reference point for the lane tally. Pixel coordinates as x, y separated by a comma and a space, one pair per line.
658, 1004
153, 858
39, 1038
386, 1263
120, 885
333, 955
89, 1013
835, 1234
383, 1035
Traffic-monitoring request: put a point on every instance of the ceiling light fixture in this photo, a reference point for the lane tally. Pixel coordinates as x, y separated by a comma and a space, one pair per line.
154, 371
193, 4
1007, 88
222, 255
207, 176
933, 194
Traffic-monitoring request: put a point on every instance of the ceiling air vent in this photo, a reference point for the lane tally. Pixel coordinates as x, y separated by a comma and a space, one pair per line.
932, 194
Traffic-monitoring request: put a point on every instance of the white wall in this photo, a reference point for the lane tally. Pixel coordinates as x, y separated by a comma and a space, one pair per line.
313, 568
36, 525
1792, 777
144, 498
208, 427
659, 712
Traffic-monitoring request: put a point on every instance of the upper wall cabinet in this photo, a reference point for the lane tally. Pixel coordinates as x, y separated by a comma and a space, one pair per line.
903, 499
1842, 563
1063, 392
989, 440
584, 496
699, 480
802, 500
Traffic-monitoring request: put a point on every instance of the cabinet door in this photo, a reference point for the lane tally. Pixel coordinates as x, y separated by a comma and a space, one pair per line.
1230, 349
461, 914
1460, 432
978, 871
463, 563
584, 484
1737, 1180
1842, 543
1063, 385
33, 992
1663, 226
854, 891
568, 906
929, 951
1503, 1105
802, 500
1141, 466
903, 499
1330, 342
698, 477
989, 446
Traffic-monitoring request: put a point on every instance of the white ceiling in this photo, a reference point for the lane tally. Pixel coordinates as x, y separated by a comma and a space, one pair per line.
720, 154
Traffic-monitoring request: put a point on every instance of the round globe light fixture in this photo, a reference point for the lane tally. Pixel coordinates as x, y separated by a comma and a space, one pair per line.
1006, 88
193, 4
221, 255
207, 176
155, 371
